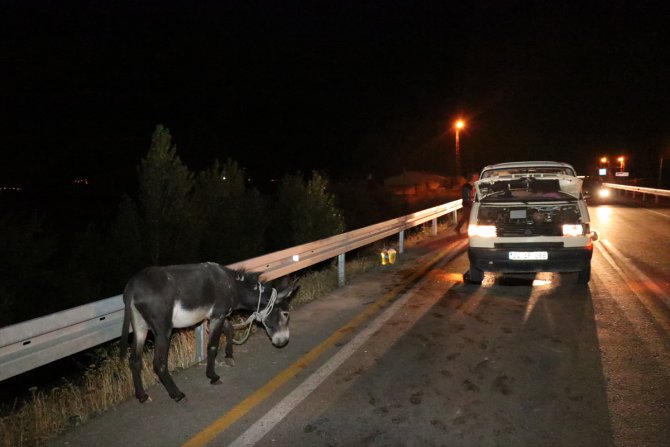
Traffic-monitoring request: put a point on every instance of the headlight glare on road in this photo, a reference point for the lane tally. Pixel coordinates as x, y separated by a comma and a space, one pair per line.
573, 230
482, 230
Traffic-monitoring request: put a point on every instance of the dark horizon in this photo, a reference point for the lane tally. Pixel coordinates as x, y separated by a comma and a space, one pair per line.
348, 88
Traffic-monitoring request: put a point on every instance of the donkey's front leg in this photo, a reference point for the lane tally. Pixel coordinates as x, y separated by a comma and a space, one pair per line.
229, 332
216, 326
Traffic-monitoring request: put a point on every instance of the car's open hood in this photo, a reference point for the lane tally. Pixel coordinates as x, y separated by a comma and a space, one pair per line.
534, 186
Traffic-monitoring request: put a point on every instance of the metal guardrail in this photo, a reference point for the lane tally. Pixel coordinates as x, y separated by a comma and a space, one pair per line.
34, 343
640, 189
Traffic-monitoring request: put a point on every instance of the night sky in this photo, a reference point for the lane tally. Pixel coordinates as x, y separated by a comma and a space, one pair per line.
347, 87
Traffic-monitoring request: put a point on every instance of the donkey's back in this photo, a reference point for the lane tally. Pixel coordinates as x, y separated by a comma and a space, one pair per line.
188, 292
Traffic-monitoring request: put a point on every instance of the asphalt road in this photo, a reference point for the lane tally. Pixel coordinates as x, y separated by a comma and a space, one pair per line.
409, 355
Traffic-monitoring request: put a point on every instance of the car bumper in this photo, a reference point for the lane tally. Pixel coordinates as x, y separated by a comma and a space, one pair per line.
571, 259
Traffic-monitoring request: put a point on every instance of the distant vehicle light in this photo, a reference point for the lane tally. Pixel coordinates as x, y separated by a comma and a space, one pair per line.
603, 192
482, 230
573, 230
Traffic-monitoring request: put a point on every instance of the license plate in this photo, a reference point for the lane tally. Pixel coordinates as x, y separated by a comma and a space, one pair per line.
528, 255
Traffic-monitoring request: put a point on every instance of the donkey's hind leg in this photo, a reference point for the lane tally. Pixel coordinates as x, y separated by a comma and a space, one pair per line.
229, 333
161, 349
216, 325
135, 363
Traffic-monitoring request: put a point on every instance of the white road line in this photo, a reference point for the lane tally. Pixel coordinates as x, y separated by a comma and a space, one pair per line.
658, 212
263, 426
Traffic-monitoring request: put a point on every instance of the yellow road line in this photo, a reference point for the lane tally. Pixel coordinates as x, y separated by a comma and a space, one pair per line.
220, 425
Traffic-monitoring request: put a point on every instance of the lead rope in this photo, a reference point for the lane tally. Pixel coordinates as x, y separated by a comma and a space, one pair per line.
259, 315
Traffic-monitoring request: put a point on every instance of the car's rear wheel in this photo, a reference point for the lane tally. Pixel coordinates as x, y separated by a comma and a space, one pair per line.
475, 275
584, 275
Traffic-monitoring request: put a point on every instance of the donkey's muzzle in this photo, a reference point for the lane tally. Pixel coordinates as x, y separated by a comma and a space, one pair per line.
280, 338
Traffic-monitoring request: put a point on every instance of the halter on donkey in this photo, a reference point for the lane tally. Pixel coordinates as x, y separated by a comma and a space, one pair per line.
162, 298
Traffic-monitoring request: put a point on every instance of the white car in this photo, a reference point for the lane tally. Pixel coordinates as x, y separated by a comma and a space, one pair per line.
529, 217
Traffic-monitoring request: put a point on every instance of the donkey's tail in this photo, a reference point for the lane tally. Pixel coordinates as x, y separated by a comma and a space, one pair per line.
123, 347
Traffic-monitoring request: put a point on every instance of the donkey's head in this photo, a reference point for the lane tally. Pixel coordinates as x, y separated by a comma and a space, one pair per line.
275, 298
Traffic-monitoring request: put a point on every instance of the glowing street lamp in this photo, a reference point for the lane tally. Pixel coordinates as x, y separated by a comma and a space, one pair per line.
604, 167
458, 125
621, 163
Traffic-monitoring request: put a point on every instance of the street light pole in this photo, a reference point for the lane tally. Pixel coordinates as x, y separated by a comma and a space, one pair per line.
458, 126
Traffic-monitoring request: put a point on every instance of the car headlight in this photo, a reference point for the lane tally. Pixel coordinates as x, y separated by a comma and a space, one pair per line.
573, 230
603, 192
482, 230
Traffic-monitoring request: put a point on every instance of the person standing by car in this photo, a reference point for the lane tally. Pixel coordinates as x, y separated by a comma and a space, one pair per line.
468, 196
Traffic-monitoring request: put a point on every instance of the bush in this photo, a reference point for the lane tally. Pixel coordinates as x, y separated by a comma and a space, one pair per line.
365, 203
304, 212
231, 217
29, 280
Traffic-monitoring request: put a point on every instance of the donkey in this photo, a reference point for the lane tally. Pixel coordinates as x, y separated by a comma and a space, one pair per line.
162, 298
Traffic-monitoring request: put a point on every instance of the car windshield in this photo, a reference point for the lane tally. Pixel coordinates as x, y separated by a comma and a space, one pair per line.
523, 189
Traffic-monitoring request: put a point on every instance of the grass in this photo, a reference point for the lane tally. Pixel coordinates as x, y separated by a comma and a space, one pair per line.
45, 414
104, 384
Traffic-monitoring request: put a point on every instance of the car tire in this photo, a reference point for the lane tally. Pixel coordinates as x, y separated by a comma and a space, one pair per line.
584, 275
475, 276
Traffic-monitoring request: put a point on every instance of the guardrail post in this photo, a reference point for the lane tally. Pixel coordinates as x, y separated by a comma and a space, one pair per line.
455, 214
401, 242
200, 343
434, 231
340, 270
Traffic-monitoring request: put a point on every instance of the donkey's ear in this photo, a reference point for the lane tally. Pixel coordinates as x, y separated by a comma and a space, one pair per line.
287, 294
294, 286
294, 290
287, 287
280, 283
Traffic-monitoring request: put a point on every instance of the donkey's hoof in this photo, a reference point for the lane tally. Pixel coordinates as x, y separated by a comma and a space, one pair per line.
178, 397
144, 398
216, 382
229, 361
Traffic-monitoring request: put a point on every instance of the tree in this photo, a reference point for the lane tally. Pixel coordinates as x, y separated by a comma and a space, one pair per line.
304, 212
165, 185
231, 215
